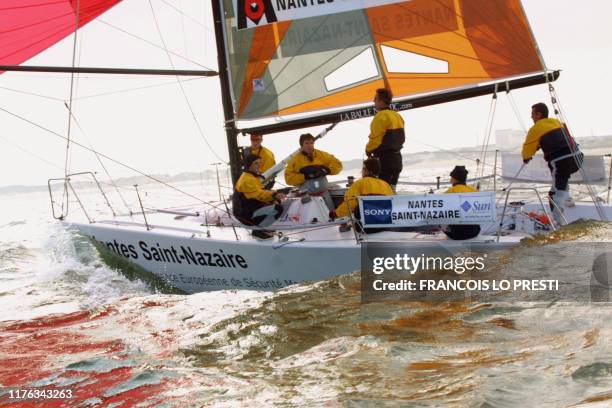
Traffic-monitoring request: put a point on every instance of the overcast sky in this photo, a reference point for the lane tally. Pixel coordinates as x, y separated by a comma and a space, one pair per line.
152, 128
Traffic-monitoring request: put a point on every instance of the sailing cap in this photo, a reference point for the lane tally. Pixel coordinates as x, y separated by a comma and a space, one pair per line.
459, 173
249, 160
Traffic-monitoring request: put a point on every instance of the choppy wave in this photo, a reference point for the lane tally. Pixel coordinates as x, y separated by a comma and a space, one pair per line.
101, 328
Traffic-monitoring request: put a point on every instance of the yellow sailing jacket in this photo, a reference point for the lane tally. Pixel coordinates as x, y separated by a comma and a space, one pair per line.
386, 132
266, 156
293, 177
461, 188
362, 187
250, 185
547, 134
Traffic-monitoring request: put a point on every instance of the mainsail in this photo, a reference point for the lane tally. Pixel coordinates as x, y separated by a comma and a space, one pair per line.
291, 58
28, 27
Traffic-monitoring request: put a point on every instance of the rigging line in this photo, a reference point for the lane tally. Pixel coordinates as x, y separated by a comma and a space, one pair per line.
195, 119
74, 142
98, 157
31, 94
182, 13
484, 138
516, 110
485, 146
74, 46
440, 149
559, 112
57, 166
152, 43
183, 30
133, 89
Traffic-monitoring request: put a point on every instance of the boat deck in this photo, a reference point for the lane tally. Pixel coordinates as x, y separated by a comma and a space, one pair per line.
315, 234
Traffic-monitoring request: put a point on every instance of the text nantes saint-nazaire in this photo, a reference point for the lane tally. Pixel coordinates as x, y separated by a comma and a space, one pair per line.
157, 253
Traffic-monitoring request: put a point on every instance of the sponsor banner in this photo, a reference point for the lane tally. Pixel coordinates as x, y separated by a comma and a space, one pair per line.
257, 13
426, 209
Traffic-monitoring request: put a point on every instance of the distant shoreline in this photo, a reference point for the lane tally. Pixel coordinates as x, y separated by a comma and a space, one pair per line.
590, 145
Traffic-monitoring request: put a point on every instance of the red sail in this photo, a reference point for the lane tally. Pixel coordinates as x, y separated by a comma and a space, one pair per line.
28, 27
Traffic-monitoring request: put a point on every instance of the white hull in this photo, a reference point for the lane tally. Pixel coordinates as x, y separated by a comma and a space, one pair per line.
191, 261
194, 258
195, 263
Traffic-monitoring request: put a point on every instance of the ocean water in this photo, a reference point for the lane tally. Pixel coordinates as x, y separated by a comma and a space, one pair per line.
70, 321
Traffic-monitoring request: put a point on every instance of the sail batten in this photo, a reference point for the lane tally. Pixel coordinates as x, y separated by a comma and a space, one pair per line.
413, 47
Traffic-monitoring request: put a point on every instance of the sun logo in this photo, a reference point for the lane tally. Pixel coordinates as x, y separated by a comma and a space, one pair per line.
254, 10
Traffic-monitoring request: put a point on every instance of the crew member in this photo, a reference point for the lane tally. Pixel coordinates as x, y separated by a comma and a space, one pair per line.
252, 204
369, 184
386, 138
266, 155
560, 151
458, 178
309, 168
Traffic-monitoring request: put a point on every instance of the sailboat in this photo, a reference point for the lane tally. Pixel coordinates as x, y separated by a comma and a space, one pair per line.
289, 64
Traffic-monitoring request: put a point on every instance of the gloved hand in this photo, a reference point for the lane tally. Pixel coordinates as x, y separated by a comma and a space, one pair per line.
314, 171
525, 161
332, 215
278, 196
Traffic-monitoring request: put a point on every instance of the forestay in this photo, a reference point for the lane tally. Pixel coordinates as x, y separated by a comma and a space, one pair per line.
427, 209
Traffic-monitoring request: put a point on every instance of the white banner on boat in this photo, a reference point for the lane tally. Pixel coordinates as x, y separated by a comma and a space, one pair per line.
257, 13
427, 209
537, 170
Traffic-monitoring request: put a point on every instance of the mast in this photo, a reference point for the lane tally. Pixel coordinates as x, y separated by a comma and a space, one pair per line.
231, 131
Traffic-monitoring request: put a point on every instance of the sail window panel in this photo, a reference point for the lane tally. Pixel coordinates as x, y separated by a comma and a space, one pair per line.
309, 51
401, 61
300, 80
300, 66
361, 68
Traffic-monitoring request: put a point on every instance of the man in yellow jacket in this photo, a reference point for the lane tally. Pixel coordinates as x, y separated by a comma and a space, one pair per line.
251, 203
560, 151
266, 155
458, 181
386, 138
309, 168
369, 184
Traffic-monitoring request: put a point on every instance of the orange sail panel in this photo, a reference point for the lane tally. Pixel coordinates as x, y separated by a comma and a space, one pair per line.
28, 27
304, 57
